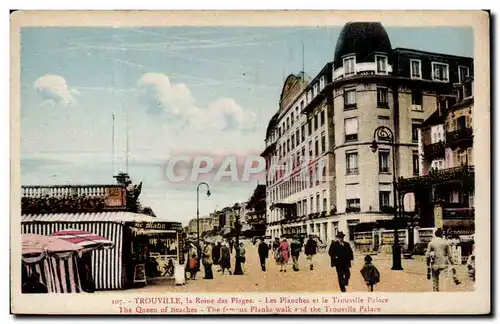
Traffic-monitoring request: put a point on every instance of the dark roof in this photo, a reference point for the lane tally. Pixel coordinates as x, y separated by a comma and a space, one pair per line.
272, 124
434, 119
362, 39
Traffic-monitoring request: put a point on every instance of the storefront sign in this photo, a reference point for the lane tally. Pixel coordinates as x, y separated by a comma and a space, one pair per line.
140, 273
157, 225
115, 197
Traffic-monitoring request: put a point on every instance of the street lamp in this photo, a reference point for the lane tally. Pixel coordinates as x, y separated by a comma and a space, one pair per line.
384, 134
237, 269
198, 215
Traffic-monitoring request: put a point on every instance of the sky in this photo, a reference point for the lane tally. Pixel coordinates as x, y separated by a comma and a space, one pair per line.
174, 91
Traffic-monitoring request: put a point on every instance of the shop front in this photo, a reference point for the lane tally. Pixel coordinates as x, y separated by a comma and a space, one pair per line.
157, 250
137, 238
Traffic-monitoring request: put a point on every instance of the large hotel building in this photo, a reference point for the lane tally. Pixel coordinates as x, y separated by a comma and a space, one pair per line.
331, 119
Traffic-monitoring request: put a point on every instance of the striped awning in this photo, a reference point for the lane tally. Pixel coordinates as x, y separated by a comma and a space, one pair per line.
88, 241
116, 217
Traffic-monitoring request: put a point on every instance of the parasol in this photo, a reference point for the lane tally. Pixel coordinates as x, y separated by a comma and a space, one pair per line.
86, 240
36, 247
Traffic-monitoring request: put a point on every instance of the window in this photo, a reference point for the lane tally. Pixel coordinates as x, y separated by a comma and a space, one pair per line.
312, 203
351, 129
384, 198
316, 117
352, 197
440, 72
288, 145
322, 117
303, 151
353, 205
311, 149
416, 69
416, 99
469, 156
351, 162
382, 100
415, 163
463, 73
316, 146
302, 105
350, 98
349, 65
415, 125
293, 141
323, 143
297, 111
287, 123
383, 161
318, 201
302, 133
381, 64
297, 137
325, 205
309, 127
292, 119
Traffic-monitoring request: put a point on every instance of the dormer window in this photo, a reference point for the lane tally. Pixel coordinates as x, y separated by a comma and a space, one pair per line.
463, 73
440, 72
349, 65
416, 69
381, 61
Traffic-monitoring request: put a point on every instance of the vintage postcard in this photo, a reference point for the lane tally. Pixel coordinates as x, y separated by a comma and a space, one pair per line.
315, 162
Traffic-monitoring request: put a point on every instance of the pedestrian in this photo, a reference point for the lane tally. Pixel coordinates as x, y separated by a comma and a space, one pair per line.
231, 246
284, 254
193, 263
370, 273
471, 264
216, 257
225, 258
242, 257
208, 261
311, 249
341, 255
263, 250
295, 248
275, 247
438, 257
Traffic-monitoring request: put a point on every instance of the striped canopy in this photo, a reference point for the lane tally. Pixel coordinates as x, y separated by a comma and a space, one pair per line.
36, 247
88, 241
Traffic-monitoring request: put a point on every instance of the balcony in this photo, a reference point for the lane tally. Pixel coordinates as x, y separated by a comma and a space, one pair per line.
465, 174
459, 138
458, 213
434, 151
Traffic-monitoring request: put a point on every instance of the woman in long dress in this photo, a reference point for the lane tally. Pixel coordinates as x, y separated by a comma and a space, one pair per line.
284, 251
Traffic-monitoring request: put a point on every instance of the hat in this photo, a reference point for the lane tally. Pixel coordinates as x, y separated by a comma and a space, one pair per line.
368, 258
340, 234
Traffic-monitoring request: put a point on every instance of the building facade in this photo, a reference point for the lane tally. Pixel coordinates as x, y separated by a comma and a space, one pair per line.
444, 190
322, 176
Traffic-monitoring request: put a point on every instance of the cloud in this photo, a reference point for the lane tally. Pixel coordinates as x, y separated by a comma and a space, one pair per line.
54, 88
177, 104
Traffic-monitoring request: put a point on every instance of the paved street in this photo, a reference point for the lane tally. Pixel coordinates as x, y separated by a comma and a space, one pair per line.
322, 279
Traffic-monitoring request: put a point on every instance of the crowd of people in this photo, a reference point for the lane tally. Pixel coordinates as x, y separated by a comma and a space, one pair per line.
441, 256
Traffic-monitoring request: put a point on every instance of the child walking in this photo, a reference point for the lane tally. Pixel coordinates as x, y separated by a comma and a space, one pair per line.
370, 273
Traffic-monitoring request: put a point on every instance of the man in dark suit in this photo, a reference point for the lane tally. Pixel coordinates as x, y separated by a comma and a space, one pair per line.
341, 256
263, 250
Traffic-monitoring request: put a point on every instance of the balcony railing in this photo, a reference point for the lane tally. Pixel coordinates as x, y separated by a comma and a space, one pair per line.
457, 137
434, 151
464, 173
458, 213
67, 190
